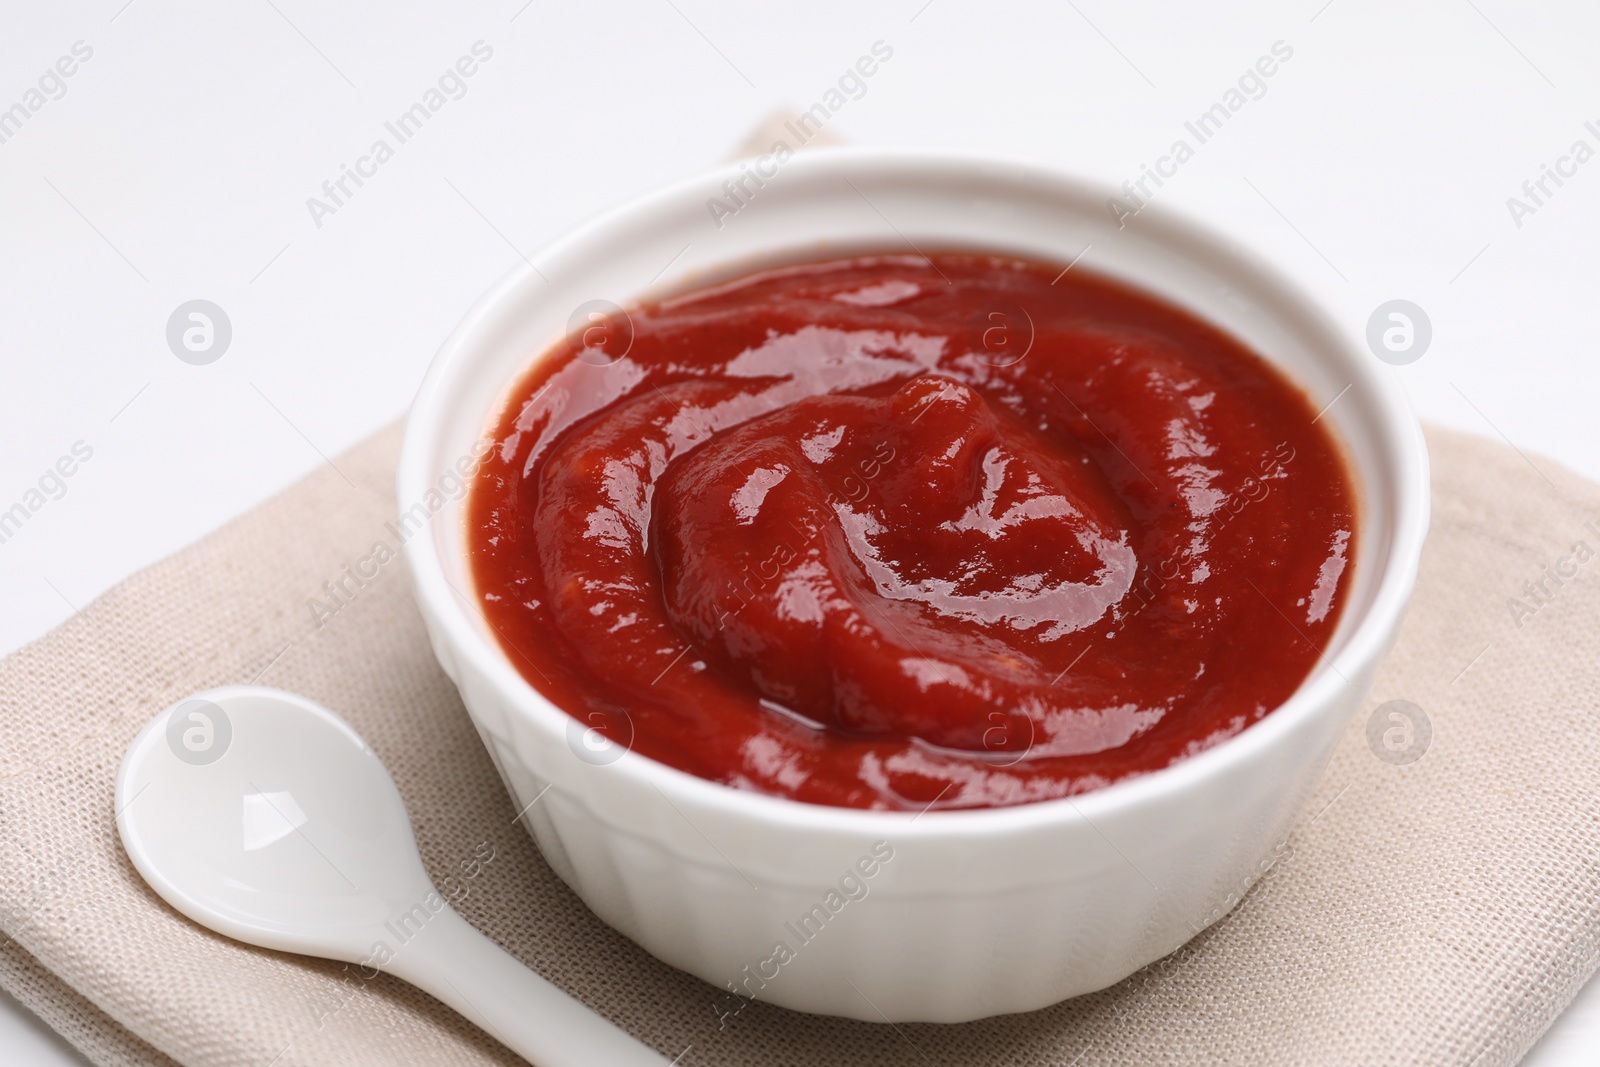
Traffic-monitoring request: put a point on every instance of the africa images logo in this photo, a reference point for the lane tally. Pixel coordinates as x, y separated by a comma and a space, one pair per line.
450, 85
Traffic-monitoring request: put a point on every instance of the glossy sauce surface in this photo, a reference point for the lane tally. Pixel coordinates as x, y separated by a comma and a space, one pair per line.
894, 532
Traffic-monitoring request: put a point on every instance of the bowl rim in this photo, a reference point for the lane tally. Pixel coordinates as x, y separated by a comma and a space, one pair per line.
1367, 642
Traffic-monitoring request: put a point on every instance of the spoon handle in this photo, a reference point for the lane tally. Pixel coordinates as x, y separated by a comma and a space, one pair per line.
451, 960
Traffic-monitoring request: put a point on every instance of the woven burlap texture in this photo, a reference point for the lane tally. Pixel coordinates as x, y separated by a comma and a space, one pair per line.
1438, 912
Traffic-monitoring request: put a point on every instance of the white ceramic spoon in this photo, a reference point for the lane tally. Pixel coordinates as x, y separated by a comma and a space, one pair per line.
263, 816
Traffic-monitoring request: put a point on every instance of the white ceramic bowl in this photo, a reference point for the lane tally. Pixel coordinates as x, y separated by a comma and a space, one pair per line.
978, 912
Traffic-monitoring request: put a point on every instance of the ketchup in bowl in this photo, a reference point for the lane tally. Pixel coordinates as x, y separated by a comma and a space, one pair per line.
899, 532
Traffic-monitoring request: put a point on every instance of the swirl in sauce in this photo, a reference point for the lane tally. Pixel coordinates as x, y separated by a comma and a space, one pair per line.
895, 532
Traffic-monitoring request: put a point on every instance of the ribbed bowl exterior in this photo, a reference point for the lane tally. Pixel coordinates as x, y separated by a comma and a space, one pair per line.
952, 928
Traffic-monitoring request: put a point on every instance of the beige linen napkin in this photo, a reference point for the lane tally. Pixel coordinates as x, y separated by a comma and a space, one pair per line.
1438, 911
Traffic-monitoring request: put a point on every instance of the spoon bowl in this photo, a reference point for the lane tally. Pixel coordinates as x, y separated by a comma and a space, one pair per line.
263, 816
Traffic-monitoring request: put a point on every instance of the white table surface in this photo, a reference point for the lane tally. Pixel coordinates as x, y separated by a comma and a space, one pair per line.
178, 161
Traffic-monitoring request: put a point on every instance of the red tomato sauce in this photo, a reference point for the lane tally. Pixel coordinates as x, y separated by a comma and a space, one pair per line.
895, 532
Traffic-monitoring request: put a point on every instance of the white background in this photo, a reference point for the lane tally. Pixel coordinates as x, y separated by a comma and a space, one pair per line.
178, 164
